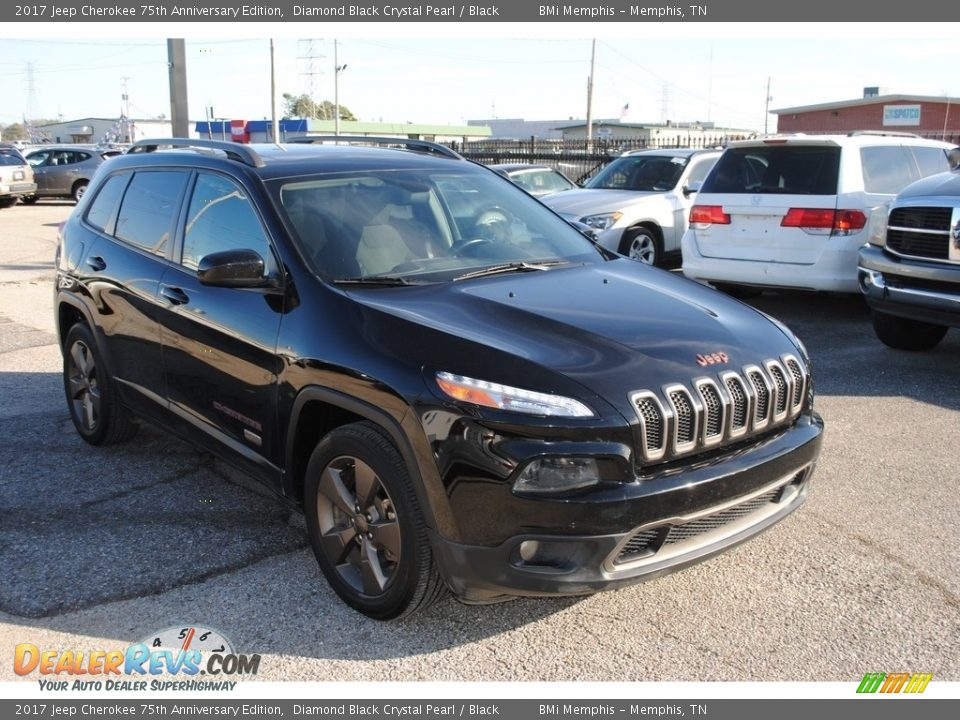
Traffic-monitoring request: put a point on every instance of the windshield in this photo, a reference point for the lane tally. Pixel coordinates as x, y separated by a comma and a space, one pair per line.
423, 224
646, 173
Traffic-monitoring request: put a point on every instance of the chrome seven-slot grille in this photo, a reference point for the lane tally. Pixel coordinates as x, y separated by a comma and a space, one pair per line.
920, 231
732, 405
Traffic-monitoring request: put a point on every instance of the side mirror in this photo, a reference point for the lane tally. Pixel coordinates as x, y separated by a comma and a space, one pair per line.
691, 188
953, 157
233, 269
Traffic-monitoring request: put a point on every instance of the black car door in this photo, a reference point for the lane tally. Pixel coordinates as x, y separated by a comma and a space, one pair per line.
129, 227
219, 343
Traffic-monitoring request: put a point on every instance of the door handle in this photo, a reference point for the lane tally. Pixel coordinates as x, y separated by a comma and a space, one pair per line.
96, 263
175, 295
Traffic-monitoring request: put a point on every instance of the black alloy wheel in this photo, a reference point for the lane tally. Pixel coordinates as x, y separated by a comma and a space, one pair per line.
365, 525
91, 396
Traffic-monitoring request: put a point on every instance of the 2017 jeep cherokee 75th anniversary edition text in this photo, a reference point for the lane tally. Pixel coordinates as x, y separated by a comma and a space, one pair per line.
459, 388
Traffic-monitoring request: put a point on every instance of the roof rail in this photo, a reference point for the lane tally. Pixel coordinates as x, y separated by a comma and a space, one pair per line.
235, 151
422, 146
882, 133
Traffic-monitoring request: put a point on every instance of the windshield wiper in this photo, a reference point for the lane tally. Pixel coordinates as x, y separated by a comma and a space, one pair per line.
382, 280
510, 268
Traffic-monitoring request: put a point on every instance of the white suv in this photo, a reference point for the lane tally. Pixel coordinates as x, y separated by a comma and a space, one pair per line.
638, 204
792, 211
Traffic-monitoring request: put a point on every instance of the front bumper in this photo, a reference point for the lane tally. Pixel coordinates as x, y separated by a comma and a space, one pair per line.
913, 289
657, 525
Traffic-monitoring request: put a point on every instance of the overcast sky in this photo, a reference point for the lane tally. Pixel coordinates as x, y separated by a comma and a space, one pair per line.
451, 74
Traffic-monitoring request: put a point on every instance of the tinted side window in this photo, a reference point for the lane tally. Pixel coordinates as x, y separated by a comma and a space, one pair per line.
101, 209
149, 208
887, 169
780, 169
930, 160
221, 218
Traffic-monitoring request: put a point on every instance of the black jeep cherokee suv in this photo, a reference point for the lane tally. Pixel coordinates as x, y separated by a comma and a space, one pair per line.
458, 387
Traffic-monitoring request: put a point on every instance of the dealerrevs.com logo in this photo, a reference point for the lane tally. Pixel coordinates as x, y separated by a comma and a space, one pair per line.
910, 683
197, 658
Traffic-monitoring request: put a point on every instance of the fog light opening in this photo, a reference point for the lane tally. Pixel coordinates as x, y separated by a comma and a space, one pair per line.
545, 555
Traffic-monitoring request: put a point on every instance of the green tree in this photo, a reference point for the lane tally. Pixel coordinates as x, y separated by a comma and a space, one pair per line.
302, 106
14, 131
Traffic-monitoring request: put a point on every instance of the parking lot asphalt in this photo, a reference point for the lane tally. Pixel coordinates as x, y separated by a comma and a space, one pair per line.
101, 547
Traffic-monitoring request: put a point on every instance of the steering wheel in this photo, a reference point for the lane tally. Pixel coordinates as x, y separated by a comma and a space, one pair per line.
488, 217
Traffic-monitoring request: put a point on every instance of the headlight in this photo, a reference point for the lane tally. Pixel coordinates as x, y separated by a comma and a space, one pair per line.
504, 397
557, 475
877, 225
602, 221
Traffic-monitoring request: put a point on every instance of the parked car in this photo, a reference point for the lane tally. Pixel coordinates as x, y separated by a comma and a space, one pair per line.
16, 176
453, 383
638, 204
538, 180
910, 270
791, 211
65, 170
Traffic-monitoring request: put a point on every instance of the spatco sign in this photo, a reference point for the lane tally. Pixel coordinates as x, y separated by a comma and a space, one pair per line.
903, 115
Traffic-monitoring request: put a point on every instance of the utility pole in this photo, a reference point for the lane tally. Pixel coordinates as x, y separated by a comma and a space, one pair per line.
593, 57
337, 69
274, 124
766, 106
177, 62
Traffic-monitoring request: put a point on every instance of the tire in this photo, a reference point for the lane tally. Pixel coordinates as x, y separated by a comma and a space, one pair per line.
79, 189
95, 409
904, 334
371, 544
8, 202
30, 200
642, 245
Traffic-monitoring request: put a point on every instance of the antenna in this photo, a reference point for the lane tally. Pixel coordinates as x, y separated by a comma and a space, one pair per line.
31, 112
766, 106
311, 56
665, 102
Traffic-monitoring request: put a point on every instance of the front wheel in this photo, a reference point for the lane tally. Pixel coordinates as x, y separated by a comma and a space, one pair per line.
365, 524
904, 334
641, 245
91, 393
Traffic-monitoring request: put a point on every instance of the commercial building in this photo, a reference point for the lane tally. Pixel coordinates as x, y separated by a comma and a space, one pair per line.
921, 114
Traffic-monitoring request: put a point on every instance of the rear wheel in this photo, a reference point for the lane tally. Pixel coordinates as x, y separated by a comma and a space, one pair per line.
91, 393
366, 526
904, 334
79, 189
8, 202
30, 200
642, 245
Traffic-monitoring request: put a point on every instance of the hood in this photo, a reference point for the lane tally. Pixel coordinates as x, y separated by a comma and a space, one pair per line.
578, 203
612, 327
945, 184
